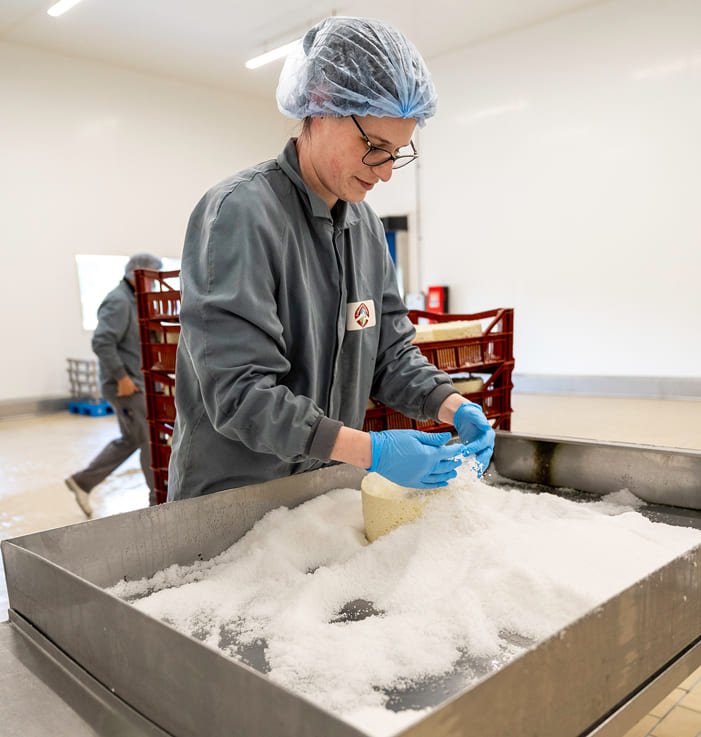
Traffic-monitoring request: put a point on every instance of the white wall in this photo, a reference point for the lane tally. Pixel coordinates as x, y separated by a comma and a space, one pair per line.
396, 198
99, 160
562, 177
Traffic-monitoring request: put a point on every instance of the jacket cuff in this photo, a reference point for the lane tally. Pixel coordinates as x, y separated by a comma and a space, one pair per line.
324, 438
118, 373
436, 398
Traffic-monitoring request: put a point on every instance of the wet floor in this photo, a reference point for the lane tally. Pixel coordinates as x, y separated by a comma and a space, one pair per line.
36, 454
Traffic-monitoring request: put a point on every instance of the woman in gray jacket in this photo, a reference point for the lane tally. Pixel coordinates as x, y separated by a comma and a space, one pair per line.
290, 316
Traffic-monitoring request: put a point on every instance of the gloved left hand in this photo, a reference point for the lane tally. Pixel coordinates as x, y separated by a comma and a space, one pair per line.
476, 433
418, 460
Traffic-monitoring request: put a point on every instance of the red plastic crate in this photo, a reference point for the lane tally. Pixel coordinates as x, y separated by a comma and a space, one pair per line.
158, 308
160, 396
494, 346
157, 297
160, 476
161, 407
494, 398
161, 434
160, 305
159, 346
160, 456
491, 353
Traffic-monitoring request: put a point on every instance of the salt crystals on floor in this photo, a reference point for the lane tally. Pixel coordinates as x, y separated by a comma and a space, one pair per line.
482, 576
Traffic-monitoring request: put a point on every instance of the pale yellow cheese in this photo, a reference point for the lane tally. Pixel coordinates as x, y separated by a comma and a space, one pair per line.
172, 336
165, 336
452, 330
469, 386
387, 505
424, 334
456, 330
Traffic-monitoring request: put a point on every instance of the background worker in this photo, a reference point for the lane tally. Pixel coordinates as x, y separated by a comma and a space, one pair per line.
291, 317
117, 345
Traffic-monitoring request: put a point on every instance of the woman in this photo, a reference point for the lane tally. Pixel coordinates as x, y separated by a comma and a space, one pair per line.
290, 316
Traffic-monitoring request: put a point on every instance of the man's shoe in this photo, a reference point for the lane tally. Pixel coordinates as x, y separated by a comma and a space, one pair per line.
82, 497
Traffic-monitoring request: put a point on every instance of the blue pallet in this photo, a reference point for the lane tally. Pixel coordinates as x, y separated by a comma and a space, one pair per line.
93, 409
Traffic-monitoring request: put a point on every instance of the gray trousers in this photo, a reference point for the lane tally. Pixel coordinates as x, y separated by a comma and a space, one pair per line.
131, 415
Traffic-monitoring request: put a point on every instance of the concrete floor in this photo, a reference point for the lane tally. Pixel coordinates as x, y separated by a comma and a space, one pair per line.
36, 453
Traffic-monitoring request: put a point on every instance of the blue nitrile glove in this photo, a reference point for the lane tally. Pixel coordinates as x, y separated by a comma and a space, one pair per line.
476, 433
419, 460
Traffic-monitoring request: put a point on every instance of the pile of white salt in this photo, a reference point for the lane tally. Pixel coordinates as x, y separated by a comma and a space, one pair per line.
482, 574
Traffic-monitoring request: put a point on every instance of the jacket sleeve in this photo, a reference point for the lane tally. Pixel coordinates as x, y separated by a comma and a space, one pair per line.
112, 324
404, 379
231, 331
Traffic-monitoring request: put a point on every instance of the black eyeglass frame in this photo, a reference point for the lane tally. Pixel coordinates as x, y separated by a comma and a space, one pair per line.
403, 159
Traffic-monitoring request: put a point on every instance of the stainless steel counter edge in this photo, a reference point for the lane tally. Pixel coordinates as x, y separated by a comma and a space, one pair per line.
45, 692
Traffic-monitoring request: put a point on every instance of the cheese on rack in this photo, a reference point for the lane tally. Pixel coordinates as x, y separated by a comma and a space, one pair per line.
469, 386
424, 334
452, 330
456, 330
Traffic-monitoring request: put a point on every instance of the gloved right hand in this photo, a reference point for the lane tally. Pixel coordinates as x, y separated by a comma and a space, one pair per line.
476, 433
418, 460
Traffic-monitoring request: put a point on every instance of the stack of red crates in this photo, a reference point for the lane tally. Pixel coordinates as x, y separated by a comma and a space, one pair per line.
158, 307
490, 354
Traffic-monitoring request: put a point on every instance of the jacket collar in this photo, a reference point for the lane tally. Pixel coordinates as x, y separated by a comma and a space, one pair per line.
344, 212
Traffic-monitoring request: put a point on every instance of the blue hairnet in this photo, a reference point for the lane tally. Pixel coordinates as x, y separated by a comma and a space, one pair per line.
356, 66
142, 261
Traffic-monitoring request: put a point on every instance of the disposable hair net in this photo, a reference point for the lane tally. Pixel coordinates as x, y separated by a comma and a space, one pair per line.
142, 261
356, 66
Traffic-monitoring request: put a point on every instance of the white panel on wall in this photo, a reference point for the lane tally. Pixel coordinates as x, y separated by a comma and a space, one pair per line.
561, 176
100, 160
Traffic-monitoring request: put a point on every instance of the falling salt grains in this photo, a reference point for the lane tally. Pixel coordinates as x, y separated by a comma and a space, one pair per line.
484, 574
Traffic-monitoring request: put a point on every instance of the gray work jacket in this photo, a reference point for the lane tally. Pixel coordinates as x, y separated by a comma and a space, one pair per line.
290, 319
116, 341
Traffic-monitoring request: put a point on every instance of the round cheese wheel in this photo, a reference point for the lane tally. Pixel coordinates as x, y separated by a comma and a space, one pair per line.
387, 505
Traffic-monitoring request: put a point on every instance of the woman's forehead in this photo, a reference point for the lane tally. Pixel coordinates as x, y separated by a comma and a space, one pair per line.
394, 131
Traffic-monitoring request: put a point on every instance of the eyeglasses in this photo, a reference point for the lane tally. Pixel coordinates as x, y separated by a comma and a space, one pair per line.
376, 156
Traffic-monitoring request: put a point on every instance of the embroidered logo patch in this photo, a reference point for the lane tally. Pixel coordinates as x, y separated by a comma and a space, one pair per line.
360, 315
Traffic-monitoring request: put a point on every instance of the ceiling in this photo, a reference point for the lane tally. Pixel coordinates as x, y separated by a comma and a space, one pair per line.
206, 42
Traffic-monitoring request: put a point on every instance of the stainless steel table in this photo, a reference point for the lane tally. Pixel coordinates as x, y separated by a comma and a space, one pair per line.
44, 693
78, 661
